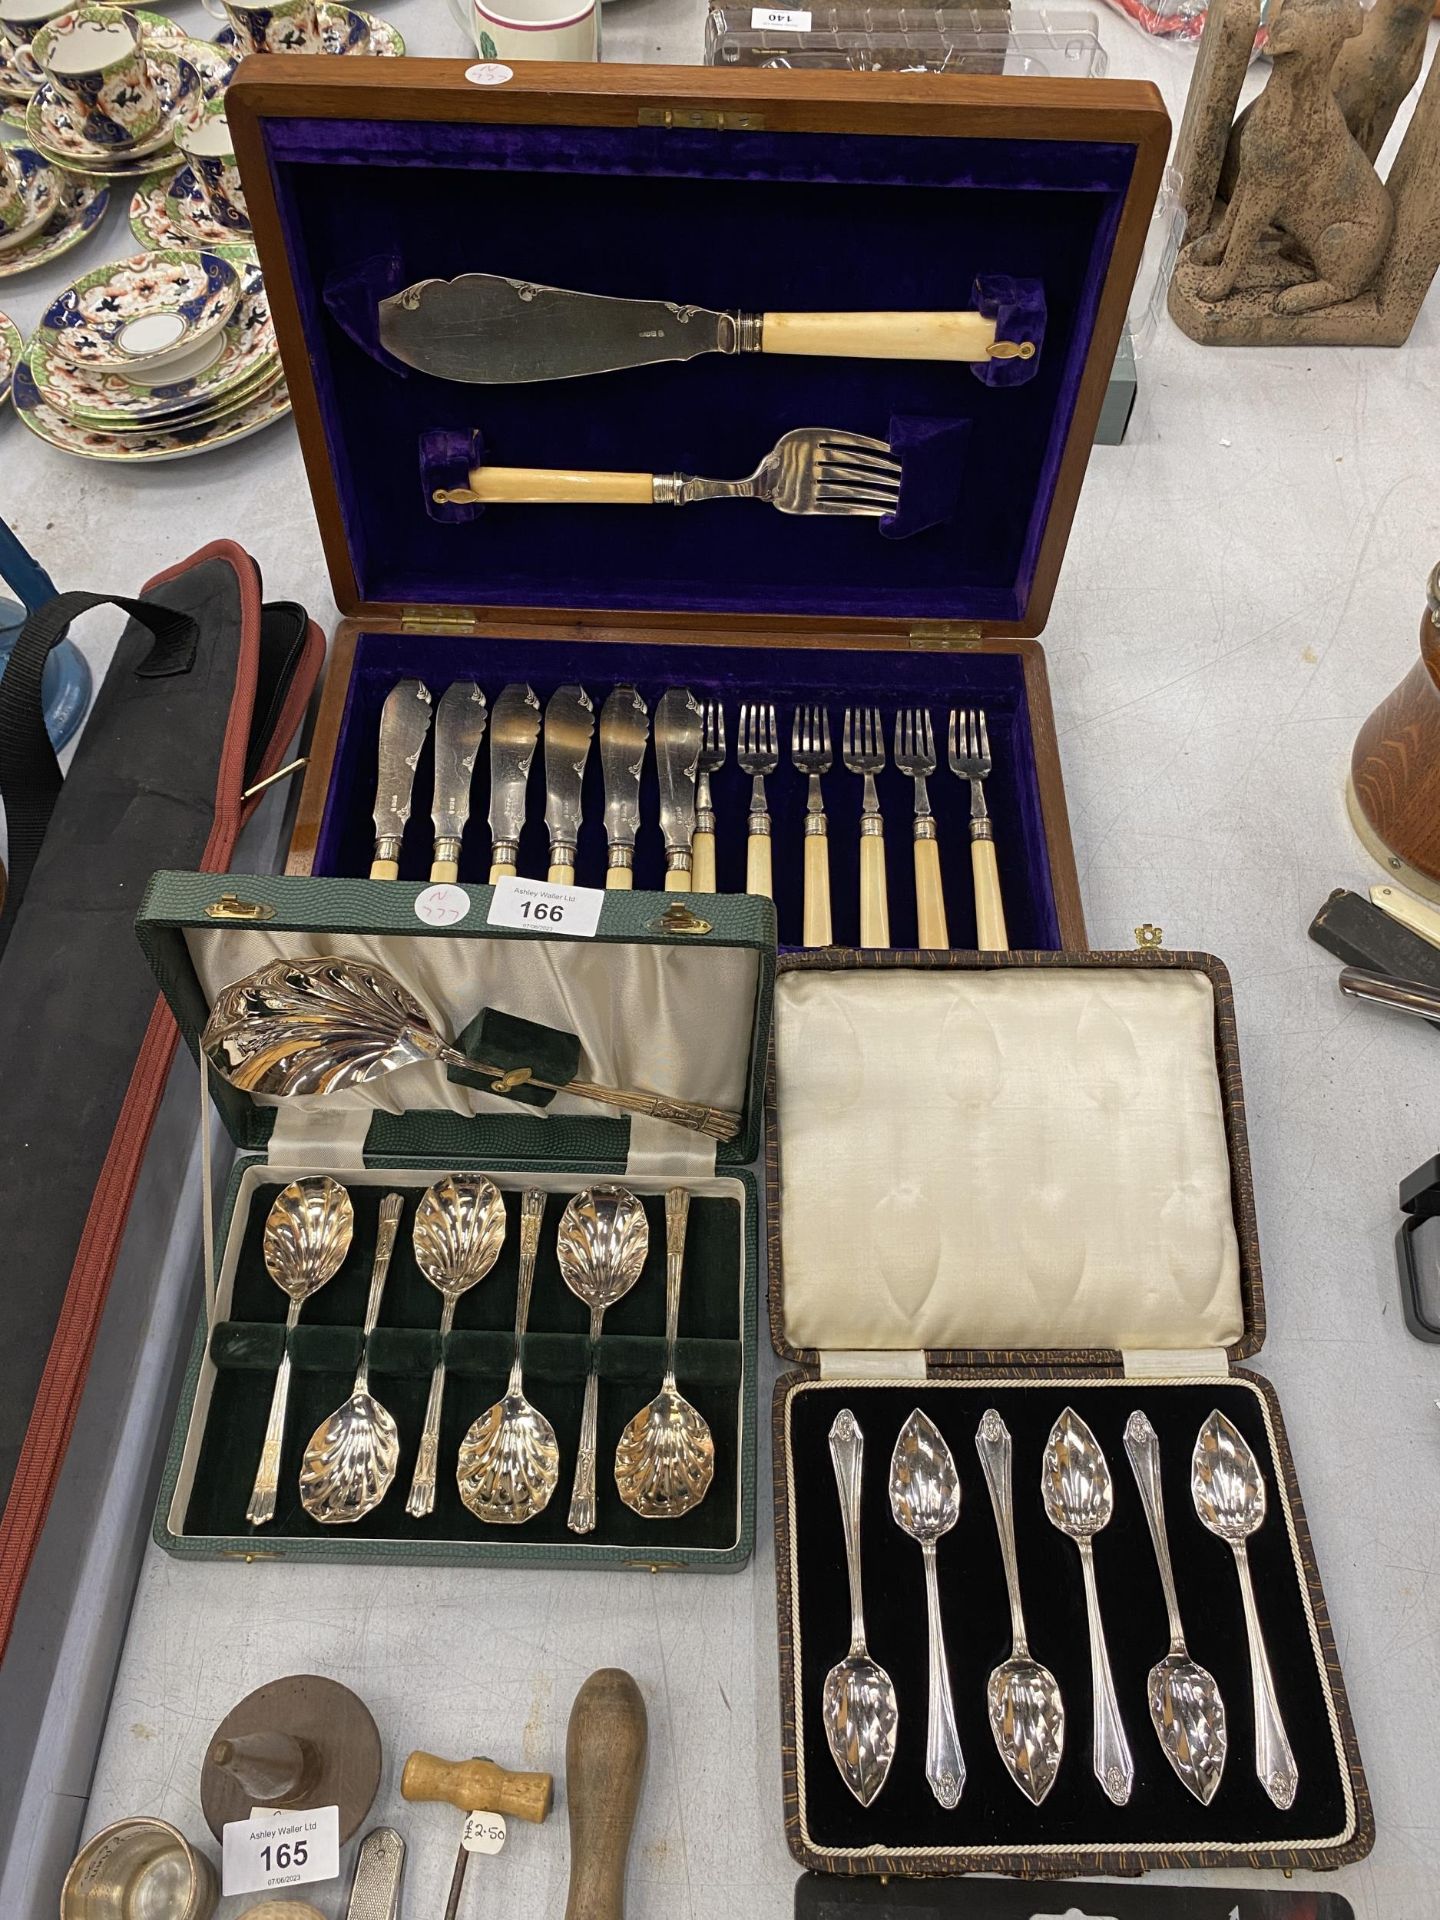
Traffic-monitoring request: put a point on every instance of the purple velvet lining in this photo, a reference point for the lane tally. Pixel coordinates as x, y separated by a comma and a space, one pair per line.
760, 221
1018, 309
994, 681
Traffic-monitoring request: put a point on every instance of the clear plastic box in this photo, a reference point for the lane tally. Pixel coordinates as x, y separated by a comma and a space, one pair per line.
1040, 43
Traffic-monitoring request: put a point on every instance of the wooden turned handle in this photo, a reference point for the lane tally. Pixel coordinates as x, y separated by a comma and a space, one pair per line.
677, 880
619, 879
502, 870
477, 1786
881, 336
990, 936
702, 861
604, 1767
817, 890
874, 913
561, 876
757, 865
444, 872
930, 895
543, 486
384, 869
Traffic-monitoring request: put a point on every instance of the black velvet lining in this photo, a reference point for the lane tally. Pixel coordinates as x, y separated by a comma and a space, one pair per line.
992, 1811
325, 1348
789, 675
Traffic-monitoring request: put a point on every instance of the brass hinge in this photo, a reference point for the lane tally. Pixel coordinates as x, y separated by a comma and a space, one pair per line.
438, 620
947, 636
231, 907
708, 117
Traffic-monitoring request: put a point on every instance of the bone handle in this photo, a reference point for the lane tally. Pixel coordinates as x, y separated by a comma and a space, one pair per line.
874, 912
444, 872
384, 869
561, 875
817, 887
702, 861
883, 336
990, 936
539, 486
757, 865
502, 870
930, 895
619, 879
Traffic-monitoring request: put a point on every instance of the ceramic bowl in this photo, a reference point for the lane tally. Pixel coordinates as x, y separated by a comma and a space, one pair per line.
145, 311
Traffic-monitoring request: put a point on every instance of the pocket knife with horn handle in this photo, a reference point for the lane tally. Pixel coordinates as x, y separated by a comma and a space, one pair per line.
459, 729
404, 723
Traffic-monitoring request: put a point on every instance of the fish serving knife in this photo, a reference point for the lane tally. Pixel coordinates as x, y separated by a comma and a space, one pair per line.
514, 730
488, 330
569, 728
624, 728
678, 719
404, 723
459, 729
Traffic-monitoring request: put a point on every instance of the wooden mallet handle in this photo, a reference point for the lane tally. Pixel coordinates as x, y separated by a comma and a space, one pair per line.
477, 1786
604, 1767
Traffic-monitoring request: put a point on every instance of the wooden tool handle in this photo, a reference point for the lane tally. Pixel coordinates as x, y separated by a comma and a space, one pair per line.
874, 912
880, 336
541, 486
990, 936
384, 869
757, 865
604, 1767
619, 879
502, 870
930, 895
561, 875
444, 872
702, 861
817, 890
477, 1786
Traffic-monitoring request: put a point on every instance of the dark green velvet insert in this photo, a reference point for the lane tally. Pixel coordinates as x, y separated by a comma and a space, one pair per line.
325, 1349
505, 1040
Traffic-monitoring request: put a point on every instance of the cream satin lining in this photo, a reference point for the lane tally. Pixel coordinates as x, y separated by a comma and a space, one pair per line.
1003, 1159
662, 1019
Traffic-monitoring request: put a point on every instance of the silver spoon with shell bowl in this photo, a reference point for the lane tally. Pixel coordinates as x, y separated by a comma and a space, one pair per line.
858, 1703
459, 1231
1027, 1715
509, 1459
308, 1231
352, 1456
925, 1501
603, 1240
666, 1457
1186, 1709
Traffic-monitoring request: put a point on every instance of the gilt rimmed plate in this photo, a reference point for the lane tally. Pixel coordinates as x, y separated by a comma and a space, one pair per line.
169, 210
40, 183
114, 403
82, 207
10, 348
51, 128
344, 30
149, 444
163, 302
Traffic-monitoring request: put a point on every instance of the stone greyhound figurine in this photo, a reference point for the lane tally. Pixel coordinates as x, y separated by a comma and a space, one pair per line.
1293, 164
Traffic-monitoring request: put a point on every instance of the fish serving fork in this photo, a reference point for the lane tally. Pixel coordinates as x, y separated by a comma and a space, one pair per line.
712, 758
757, 752
810, 751
915, 757
808, 470
970, 759
863, 751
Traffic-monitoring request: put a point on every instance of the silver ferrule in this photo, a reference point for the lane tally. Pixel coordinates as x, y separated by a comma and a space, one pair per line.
981, 830
447, 846
677, 859
815, 823
757, 823
562, 853
925, 827
740, 332
504, 853
387, 846
620, 855
870, 825
667, 489
704, 819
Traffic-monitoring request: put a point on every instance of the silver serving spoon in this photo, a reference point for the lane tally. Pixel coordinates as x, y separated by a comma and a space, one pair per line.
510, 1460
925, 1500
307, 1236
666, 1457
1027, 1715
1229, 1494
459, 1231
352, 1456
1079, 1498
604, 1238
858, 1704
1185, 1703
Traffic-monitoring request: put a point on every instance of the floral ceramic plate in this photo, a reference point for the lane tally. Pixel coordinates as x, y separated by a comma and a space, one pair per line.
151, 304
149, 444
40, 184
345, 30
51, 128
9, 353
245, 352
169, 210
82, 206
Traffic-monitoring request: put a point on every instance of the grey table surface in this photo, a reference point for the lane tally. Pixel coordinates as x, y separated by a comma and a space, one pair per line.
1244, 583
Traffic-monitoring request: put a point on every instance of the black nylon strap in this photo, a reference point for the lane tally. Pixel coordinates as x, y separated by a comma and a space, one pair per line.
30, 778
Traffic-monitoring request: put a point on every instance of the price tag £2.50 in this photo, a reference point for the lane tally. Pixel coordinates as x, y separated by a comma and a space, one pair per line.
537, 906
271, 1849
483, 1832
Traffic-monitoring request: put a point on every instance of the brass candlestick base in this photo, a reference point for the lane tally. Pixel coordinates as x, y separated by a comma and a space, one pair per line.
303, 1741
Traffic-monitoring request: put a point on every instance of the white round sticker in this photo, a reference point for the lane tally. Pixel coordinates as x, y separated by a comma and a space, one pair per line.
484, 1832
489, 73
442, 906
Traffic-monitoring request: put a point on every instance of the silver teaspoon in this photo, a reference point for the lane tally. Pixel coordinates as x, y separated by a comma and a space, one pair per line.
1229, 1494
1027, 1715
1079, 1498
858, 1704
1185, 1703
925, 1500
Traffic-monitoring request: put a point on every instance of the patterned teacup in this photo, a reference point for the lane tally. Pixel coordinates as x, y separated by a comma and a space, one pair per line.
14, 207
207, 145
272, 26
92, 56
21, 20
